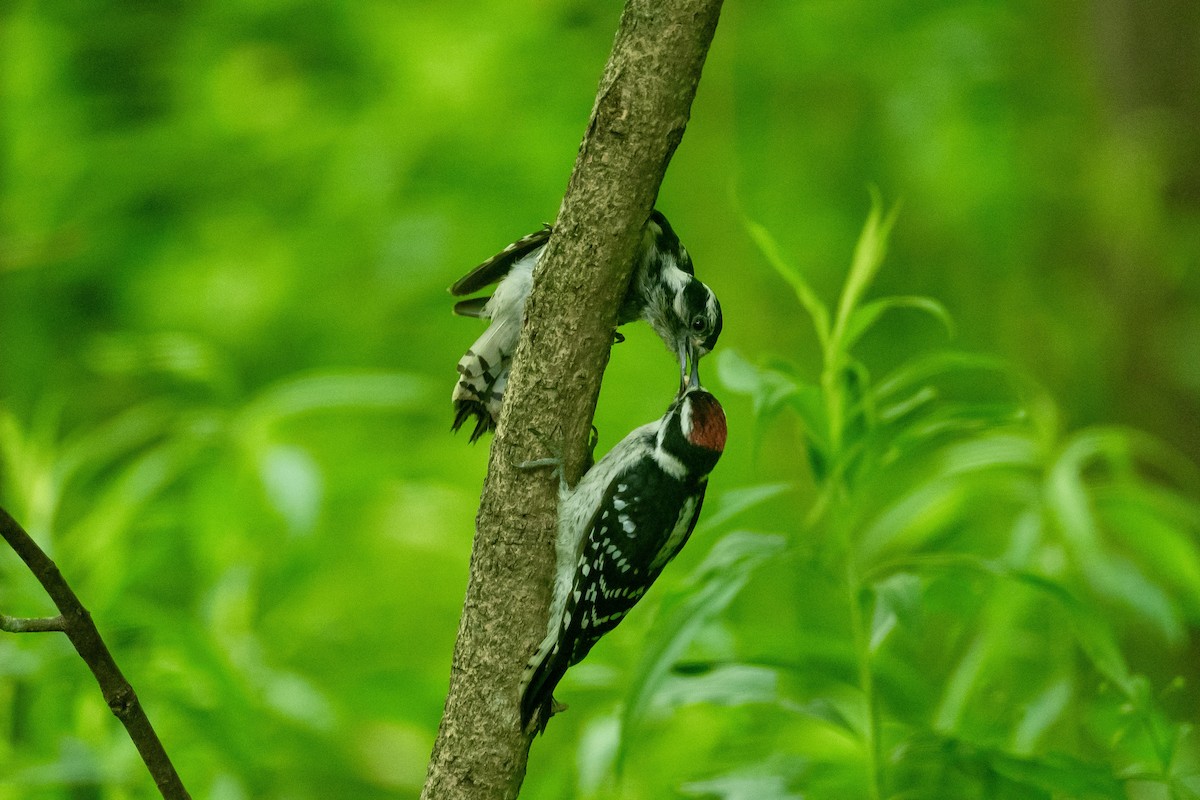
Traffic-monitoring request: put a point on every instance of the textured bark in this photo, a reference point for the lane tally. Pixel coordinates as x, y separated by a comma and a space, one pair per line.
640, 113
75, 621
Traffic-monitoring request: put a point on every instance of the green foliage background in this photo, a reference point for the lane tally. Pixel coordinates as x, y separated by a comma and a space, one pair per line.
226, 355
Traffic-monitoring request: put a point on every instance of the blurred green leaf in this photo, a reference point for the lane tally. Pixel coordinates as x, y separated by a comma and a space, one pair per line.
913, 374
1109, 575
328, 391
597, 752
869, 253
728, 504
76, 764
293, 483
1090, 628
1165, 545
1120, 579
897, 601
770, 388
106, 530
1044, 711
712, 586
991, 451
182, 356
296, 698
906, 406
828, 711
865, 317
769, 781
1005, 463
947, 422
723, 685
817, 311
965, 677
1059, 775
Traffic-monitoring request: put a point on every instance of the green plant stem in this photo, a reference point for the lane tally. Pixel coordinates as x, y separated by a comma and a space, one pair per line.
830, 498
834, 408
832, 384
866, 680
833, 392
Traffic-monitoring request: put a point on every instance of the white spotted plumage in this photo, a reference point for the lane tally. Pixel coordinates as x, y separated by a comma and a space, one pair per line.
624, 521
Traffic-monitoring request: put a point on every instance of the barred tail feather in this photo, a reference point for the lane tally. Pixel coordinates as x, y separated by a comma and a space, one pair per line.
482, 376
545, 669
467, 409
483, 371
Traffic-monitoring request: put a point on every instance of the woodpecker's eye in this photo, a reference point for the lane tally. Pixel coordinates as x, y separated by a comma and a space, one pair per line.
699, 324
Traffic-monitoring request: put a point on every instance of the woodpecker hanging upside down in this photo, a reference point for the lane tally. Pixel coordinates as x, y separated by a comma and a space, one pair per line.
621, 524
663, 291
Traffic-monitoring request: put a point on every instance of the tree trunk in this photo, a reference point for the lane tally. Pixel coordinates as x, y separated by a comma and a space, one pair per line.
640, 113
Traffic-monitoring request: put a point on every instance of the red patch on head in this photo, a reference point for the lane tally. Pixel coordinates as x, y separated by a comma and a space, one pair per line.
708, 422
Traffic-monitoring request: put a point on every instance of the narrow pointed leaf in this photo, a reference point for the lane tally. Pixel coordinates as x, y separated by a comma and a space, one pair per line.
817, 310
917, 372
713, 586
729, 504
865, 317
869, 253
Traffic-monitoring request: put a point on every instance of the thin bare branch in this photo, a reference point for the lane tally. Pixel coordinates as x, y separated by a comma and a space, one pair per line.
32, 624
77, 623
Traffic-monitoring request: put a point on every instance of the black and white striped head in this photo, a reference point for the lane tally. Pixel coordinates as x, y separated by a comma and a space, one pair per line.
698, 306
691, 437
683, 311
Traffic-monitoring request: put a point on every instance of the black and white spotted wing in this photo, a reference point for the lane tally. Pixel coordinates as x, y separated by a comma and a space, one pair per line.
618, 562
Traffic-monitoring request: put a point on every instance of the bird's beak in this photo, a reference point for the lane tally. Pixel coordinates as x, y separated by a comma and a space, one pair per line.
689, 367
694, 377
684, 354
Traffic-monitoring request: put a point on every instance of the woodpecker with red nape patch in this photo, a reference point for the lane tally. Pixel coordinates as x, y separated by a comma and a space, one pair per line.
663, 291
617, 529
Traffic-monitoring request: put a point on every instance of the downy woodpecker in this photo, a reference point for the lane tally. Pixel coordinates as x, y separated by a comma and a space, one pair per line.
663, 291
621, 524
